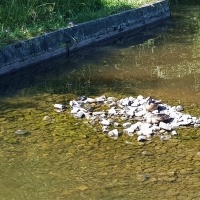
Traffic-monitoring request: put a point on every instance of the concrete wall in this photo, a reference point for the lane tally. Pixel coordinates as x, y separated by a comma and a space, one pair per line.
63, 41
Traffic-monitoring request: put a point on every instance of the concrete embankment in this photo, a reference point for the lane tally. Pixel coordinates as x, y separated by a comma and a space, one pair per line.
47, 46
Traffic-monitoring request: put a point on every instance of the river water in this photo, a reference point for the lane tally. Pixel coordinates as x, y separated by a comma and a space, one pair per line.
66, 158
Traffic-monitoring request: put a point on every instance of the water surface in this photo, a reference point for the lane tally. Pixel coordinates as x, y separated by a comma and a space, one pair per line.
70, 159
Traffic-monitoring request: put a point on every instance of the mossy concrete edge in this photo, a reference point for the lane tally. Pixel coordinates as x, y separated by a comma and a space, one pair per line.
36, 50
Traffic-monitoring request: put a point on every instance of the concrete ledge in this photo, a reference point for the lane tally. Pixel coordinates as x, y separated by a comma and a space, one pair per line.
26, 53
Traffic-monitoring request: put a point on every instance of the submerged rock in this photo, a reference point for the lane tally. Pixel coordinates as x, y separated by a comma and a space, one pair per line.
174, 133
105, 122
165, 126
141, 138
198, 153
46, 118
154, 117
126, 125
21, 132
113, 134
179, 108
59, 107
105, 129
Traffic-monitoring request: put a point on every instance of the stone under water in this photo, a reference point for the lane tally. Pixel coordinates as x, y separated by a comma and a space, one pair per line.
144, 117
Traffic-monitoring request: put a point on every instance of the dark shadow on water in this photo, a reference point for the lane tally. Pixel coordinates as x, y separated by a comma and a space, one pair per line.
71, 74
53, 76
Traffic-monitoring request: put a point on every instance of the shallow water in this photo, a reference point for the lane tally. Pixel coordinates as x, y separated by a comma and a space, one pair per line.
67, 158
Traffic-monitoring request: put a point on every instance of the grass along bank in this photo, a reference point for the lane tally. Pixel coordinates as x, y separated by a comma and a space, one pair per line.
24, 19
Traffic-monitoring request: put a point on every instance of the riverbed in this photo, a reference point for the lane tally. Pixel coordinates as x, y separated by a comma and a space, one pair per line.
68, 158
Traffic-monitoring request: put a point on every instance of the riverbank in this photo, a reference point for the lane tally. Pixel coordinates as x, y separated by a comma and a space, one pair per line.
67, 40
36, 18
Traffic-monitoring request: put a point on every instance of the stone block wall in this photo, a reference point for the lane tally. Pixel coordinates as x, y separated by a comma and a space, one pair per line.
29, 52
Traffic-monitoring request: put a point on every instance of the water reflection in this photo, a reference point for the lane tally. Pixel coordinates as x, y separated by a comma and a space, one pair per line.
165, 58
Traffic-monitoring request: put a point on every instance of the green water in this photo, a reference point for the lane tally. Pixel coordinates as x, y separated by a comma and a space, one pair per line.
66, 158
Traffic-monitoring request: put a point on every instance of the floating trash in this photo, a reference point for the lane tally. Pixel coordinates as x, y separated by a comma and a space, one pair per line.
140, 116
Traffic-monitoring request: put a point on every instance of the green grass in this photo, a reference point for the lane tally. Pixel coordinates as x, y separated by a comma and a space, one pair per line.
24, 19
